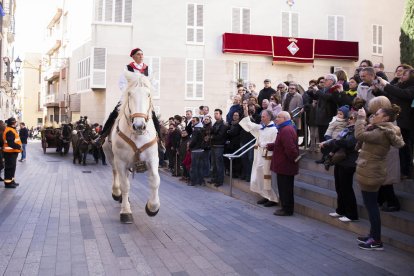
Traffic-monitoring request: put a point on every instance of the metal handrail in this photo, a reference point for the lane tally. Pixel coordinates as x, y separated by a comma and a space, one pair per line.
232, 156
294, 113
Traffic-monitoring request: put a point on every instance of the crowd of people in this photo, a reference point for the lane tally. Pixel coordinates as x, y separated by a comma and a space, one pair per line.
361, 125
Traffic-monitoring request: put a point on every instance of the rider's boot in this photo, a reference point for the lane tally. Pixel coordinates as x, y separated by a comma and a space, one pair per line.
100, 140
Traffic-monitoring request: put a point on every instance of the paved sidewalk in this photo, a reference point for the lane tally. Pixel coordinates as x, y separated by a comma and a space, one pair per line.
62, 221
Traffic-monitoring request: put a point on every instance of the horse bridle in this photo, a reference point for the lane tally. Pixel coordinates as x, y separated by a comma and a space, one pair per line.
141, 115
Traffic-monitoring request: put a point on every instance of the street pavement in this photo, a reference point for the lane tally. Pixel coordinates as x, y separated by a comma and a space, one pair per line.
62, 220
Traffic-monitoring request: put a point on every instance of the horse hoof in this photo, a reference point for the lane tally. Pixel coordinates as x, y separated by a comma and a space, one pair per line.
127, 218
150, 213
117, 198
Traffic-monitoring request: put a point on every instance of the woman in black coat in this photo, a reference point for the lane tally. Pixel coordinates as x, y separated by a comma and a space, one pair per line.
233, 144
344, 171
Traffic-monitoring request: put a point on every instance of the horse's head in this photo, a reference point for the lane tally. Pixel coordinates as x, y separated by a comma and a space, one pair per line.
137, 103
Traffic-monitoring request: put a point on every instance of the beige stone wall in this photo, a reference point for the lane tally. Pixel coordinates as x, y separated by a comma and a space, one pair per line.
30, 89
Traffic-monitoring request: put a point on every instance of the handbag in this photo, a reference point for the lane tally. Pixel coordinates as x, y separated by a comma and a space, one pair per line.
338, 156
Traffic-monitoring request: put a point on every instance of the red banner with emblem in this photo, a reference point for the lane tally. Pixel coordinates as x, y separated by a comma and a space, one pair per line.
285, 49
297, 50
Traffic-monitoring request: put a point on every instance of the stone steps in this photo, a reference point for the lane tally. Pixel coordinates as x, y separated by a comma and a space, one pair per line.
327, 181
402, 221
361, 228
317, 203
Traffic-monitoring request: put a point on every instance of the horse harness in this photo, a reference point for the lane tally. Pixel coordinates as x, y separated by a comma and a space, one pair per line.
139, 166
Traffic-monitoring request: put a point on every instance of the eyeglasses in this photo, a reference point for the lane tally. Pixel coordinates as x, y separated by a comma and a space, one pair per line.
280, 87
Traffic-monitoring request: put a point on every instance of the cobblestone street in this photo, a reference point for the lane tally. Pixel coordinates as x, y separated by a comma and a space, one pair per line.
62, 220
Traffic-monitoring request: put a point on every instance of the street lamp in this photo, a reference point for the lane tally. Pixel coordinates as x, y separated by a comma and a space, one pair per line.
17, 64
10, 73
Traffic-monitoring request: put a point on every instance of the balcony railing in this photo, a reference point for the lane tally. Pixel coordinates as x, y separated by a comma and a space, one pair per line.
50, 99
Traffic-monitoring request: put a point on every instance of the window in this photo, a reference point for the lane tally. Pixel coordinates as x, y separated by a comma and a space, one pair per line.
83, 75
98, 70
335, 27
241, 71
113, 11
240, 21
194, 81
154, 65
195, 23
377, 39
290, 24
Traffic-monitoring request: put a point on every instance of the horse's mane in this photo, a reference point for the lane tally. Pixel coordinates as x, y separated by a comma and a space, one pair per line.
134, 80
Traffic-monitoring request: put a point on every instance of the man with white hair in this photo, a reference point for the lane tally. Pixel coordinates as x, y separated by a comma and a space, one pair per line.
284, 166
260, 180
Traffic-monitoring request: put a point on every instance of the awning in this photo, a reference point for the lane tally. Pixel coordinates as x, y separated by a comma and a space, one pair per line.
285, 49
247, 44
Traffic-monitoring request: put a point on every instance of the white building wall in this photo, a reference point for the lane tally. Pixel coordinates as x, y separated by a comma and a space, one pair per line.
159, 28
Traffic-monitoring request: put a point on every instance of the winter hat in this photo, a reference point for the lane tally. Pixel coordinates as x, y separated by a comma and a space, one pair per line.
134, 51
345, 110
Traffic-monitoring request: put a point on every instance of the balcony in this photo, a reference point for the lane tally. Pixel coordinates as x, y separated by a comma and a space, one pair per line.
51, 100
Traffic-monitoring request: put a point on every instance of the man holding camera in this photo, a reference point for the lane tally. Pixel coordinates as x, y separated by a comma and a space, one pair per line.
365, 88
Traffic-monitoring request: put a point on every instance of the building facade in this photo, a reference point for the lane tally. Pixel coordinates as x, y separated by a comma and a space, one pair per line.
183, 45
9, 104
30, 95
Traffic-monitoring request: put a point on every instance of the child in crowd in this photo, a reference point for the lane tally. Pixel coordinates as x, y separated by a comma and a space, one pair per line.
338, 123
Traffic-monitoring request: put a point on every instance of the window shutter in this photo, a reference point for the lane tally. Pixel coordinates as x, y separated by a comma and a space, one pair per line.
331, 27
246, 21
236, 71
108, 10
235, 22
98, 68
199, 78
340, 27
118, 10
295, 24
200, 24
128, 11
190, 23
285, 24
244, 71
374, 39
190, 78
379, 39
98, 10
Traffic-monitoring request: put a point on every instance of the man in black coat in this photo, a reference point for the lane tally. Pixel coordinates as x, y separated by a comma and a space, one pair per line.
24, 135
266, 92
218, 139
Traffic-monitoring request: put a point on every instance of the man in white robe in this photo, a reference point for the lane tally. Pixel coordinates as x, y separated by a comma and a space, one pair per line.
265, 133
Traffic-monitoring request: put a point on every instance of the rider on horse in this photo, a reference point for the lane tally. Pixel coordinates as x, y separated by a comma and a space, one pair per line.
137, 66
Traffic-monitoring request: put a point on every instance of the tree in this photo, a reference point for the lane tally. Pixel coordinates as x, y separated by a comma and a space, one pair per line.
407, 34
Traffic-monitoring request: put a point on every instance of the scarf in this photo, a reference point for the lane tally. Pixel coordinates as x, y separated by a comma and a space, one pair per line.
286, 104
270, 125
285, 123
351, 93
142, 70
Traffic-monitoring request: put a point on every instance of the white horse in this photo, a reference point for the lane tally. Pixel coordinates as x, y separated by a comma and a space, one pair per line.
132, 145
